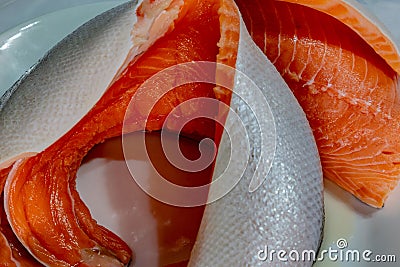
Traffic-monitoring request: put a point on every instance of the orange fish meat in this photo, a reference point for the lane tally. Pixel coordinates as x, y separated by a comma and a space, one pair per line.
41, 201
344, 72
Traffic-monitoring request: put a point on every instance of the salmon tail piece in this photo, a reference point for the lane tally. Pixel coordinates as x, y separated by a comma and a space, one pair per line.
12, 253
343, 70
41, 201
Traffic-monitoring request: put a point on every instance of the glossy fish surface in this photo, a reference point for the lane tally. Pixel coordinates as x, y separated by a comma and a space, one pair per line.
343, 70
283, 211
286, 211
67, 82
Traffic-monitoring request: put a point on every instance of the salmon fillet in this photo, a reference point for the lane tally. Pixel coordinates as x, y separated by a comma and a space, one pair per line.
347, 89
42, 203
12, 253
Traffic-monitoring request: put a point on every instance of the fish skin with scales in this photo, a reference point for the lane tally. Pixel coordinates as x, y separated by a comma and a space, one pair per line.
287, 211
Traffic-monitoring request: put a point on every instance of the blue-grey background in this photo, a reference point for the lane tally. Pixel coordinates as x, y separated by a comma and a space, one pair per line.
14, 12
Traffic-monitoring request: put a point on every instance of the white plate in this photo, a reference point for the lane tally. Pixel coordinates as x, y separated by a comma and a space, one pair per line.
110, 202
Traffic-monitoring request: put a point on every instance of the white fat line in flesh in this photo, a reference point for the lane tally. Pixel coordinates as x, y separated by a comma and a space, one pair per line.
379, 107
373, 169
361, 183
312, 79
352, 182
371, 156
157, 58
148, 67
279, 35
355, 133
395, 87
392, 97
346, 152
265, 23
375, 86
295, 39
334, 73
265, 42
363, 82
366, 104
165, 60
353, 62
348, 134
339, 178
300, 74
339, 153
368, 174
321, 65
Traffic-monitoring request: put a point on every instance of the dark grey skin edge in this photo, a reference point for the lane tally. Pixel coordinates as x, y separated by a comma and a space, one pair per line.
107, 15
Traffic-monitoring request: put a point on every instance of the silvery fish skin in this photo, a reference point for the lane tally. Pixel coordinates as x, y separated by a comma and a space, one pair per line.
60, 89
286, 211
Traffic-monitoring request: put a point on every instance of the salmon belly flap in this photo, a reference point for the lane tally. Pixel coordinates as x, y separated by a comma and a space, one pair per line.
42, 203
347, 90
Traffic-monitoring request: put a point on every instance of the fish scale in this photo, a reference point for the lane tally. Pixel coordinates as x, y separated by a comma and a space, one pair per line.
286, 212
30, 105
281, 212
59, 207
